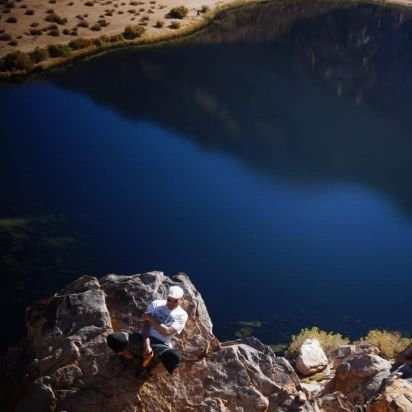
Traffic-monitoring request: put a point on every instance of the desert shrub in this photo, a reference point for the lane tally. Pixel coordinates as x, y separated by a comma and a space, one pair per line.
80, 43
96, 27
55, 18
133, 3
89, 3
29, 12
11, 19
59, 50
174, 25
36, 32
83, 23
178, 12
97, 42
16, 61
13, 43
204, 9
49, 11
131, 32
35, 24
54, 32
66, 32
10, 5
52, 1
5, 37
329, 341
38, 55
159, 24
116, 38
389, 343
103, 22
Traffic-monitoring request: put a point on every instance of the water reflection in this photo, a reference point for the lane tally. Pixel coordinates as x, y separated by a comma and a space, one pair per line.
311, 92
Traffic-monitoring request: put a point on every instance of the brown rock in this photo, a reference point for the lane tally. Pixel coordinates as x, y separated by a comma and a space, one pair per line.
395, 397
359, 377
65, 364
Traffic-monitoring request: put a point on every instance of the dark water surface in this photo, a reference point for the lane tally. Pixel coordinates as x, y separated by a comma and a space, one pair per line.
269, 158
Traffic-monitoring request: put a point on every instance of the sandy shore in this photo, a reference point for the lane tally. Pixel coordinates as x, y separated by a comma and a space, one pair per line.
26, 24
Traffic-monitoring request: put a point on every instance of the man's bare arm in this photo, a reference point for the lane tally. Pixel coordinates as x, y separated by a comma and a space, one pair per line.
147, 349
162, 329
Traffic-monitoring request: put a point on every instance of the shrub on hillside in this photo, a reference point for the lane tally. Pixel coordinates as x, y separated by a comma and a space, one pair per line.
55, 18
80, 43
38, 55
159, 24
174, 25
16, 61
178, 12
131, 32
58, 50
389, 343
329, 341
204, 9
11, 20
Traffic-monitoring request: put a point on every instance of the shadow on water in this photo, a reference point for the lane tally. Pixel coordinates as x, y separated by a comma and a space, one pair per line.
309, 91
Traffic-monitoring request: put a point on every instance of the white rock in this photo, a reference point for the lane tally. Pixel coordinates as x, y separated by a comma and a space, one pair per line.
312, 358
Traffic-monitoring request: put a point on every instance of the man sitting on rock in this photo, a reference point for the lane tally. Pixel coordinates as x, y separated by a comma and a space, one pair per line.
162, 321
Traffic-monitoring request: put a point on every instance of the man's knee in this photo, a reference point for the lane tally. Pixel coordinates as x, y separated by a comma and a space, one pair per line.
170, 359
117, 342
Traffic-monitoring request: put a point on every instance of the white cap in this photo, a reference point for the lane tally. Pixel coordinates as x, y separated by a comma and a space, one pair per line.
175, 292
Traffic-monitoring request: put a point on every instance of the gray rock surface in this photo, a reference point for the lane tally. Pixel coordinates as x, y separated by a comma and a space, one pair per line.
359, 377
65, 365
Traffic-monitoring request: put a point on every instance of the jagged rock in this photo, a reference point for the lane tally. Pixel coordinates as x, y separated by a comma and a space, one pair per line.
311, 358
335, 402
345, 351
359, 377
396, 396
405, 356
65, 364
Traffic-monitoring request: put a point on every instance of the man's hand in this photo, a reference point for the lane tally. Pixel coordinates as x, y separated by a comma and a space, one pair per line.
147, 349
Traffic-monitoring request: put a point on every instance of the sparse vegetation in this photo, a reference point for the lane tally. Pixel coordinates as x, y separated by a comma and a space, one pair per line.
96, 27
16, 61
11, 19
55, 18
35, 32
178, 12
59, 50
83, 23
54, 32
174, 25
89, 3
29, 12
389, 343
38, 55
80, 43
133, 31
5, 37
159, 24
204, 9
329, 341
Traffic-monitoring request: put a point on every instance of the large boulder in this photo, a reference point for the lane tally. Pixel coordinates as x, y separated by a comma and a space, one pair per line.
359, 377
312, 358
64, 363
396, 396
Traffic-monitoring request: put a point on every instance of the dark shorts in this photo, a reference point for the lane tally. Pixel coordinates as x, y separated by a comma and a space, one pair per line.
163, 353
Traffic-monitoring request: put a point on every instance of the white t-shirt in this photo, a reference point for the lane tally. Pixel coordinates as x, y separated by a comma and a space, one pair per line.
175, 318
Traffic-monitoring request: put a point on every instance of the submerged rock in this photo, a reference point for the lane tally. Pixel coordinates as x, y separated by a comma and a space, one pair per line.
65, 365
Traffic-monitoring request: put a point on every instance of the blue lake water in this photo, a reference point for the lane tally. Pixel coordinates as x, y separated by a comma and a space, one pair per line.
271, 166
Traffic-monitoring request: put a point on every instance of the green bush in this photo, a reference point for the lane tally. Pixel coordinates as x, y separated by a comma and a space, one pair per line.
59, 50
38, 55
16, 61
178, 12
389, 343
329, 341
131, 32
115, 38
80, 43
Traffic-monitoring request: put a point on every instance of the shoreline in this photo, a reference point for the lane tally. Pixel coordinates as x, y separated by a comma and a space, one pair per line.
191, 27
